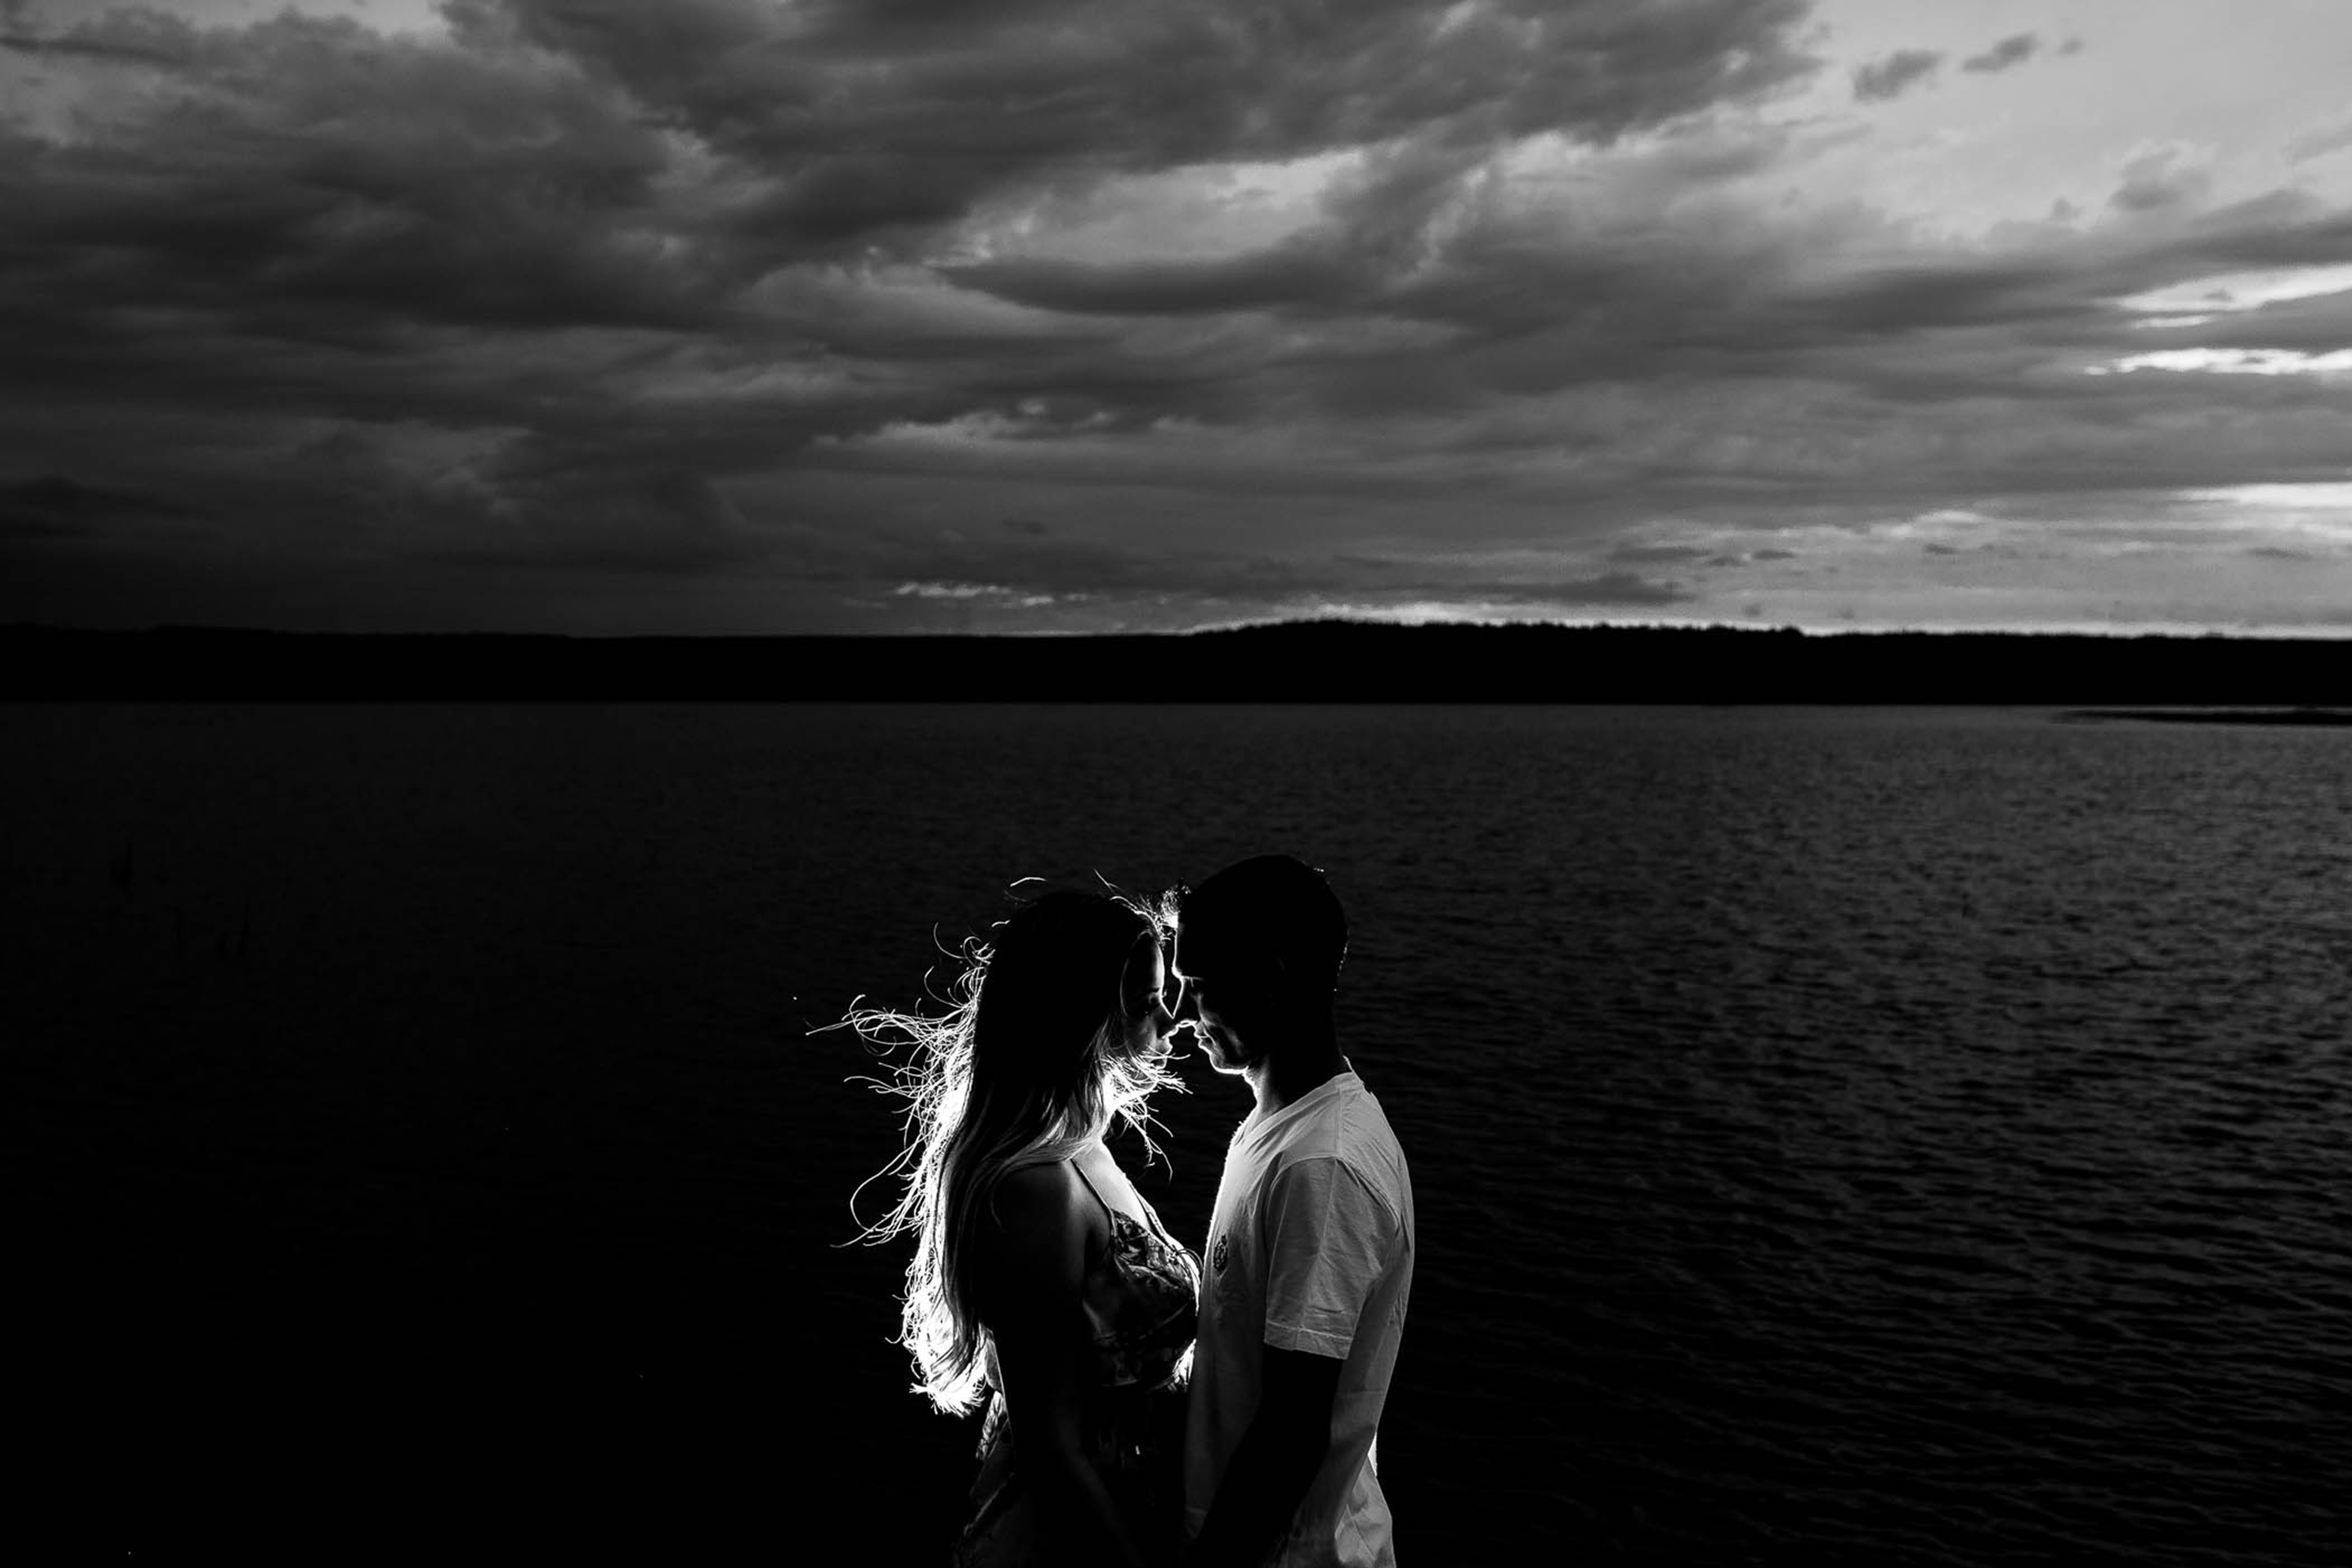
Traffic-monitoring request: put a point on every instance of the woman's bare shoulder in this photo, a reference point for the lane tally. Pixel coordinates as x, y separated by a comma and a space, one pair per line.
1043, 1228
1044, 1196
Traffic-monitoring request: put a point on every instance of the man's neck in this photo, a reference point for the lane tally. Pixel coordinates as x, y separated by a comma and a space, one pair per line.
1286, 1077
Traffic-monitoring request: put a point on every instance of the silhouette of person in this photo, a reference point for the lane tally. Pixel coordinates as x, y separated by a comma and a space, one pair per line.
1310, 1255
1043, 1284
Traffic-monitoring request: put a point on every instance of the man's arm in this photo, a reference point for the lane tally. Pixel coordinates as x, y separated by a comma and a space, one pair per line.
1274, 1464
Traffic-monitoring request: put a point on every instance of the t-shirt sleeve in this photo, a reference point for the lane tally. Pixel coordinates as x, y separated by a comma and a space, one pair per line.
1328, 1240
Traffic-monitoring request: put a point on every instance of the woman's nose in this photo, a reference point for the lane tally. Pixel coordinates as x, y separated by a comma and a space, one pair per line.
1185, 1011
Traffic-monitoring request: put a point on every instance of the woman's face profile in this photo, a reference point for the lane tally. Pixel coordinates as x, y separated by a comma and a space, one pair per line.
1143, 1001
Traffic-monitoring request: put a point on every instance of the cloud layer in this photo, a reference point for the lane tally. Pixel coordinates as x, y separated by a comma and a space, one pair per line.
731, 315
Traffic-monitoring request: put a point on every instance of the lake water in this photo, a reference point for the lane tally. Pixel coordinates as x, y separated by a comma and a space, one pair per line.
1853, 1136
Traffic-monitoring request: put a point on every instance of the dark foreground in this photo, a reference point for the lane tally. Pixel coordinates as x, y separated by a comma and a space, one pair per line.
1300, 662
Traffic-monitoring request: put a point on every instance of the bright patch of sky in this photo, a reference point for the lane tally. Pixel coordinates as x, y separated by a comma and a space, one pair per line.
2234, 361
1962, 150
998, 592
382, 15
2241, 290
2308, 524
2337, 496
1200, 213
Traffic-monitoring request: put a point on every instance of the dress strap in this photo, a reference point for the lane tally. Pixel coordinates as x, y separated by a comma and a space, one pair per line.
1109, 1213
1151, 1226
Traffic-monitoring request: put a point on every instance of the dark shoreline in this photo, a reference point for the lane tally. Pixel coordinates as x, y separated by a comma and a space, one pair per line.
1298, 662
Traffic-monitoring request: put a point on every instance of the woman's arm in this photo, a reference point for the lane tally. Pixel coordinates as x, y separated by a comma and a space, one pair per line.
1044, 1346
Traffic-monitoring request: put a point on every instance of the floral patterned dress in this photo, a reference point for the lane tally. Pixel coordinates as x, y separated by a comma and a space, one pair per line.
1142, 1299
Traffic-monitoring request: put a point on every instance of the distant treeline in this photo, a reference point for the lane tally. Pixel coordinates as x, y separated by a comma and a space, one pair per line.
1300, 662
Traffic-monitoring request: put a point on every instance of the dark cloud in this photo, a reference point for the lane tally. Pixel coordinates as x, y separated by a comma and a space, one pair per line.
2163, 177
525, 500
1610, 589
51, 506
2320, 143
1293, 276
85, 48
306, 173
634, 520
894, 119
1891, 75
118, 37
802, 304
1651, 554
990, 570
1940, 549
2013, 50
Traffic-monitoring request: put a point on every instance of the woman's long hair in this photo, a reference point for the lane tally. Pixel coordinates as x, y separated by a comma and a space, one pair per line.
1027, 1065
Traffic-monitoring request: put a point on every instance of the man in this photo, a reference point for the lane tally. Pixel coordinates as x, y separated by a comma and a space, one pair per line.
1309, 1258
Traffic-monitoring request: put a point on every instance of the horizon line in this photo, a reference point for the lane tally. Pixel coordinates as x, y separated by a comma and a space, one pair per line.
1326, 623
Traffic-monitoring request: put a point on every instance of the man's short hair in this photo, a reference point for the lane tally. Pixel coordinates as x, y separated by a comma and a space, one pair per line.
1273, 916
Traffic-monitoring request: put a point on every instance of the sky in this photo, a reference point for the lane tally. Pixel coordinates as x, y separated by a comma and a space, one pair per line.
609, 316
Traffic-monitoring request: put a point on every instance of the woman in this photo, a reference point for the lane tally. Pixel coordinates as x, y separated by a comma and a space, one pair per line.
1043, 1284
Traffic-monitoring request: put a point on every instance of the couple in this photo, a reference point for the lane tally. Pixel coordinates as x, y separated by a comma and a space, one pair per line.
1141, 1409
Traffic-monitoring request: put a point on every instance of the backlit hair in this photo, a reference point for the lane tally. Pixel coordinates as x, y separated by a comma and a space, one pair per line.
1025, 1066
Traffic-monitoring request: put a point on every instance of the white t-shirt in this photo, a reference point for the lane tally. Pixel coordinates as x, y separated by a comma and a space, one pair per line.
1310, 1250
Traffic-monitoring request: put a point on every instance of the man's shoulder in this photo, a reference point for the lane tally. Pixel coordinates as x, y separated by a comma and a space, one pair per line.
1361, 1136
1341, 1122
1345, 1124
1365, 1117
1366, 1146
1339, 1167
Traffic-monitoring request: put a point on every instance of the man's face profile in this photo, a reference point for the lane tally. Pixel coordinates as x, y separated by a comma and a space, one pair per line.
1198, 1012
